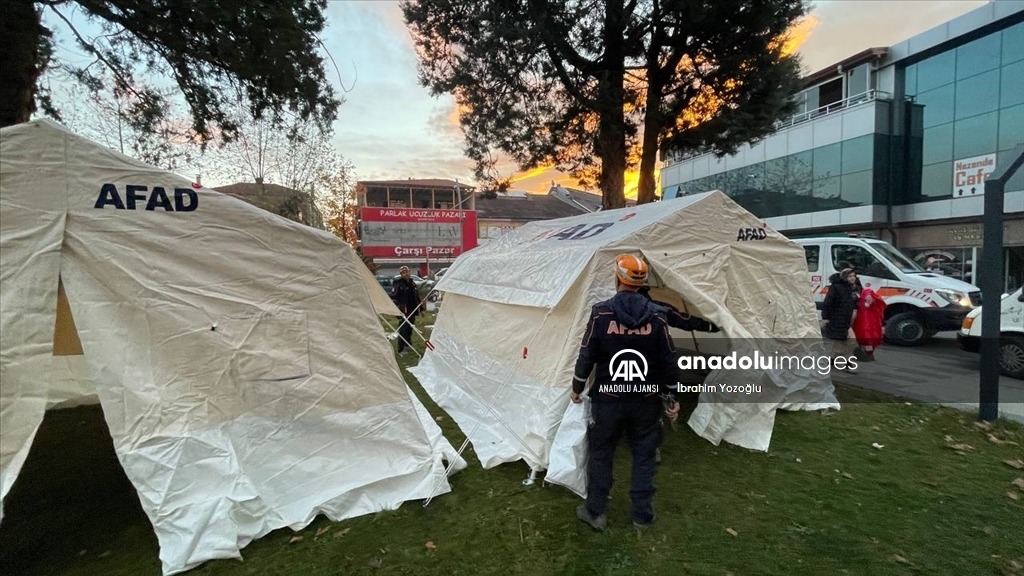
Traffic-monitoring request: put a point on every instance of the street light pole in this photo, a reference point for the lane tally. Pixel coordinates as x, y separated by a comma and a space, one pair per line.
990, 280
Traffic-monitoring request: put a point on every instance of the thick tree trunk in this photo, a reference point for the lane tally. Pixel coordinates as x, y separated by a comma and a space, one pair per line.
649, 154
613, 160
20, 34
612, 118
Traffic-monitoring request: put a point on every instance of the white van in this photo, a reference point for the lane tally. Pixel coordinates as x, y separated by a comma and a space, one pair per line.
919, 303
1011, 334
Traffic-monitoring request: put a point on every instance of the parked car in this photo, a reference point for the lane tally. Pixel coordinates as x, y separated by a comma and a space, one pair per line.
919, 303
1011, 334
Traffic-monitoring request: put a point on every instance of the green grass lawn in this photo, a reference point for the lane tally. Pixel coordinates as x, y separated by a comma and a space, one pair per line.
822, 501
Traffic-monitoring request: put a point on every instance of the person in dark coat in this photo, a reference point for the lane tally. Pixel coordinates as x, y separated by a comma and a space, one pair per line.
628, 347
838, 312
407, 298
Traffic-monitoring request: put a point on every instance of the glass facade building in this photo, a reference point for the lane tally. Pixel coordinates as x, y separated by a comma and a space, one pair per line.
973, 105
839, 175
874, 146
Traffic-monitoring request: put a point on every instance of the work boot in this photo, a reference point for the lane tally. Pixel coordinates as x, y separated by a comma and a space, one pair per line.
599, 523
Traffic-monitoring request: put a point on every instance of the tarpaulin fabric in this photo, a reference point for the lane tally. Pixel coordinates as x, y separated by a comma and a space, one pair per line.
540, 281
569, 450
237, 355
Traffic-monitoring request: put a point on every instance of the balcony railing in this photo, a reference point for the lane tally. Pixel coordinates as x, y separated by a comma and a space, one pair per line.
869, 96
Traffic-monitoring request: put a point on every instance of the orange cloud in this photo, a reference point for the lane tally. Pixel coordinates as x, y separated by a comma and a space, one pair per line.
533, 173
798, 33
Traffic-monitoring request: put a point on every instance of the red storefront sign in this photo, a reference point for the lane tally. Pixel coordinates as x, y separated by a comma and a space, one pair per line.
416, 233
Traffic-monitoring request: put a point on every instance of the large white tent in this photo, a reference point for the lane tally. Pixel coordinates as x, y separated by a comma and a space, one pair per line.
237, 355
505, 342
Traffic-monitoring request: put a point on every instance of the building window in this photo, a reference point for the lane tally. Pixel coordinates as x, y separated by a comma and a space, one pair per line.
397, 204
938, 144
827, 191
1016, 182
830, 92
977, 95
1011, 127
856, 189
1011, 85
938, 105
828, 161
953, 262
977, 56
811, 99
975, 136
857, 83
936, 71
910, 80
1013, 44
937, 181
800, 172
857, 153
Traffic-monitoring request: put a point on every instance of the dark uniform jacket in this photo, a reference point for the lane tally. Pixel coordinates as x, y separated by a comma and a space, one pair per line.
838, 307
627, 321
406, 297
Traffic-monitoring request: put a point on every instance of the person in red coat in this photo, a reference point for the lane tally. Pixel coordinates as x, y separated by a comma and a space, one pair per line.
867, 325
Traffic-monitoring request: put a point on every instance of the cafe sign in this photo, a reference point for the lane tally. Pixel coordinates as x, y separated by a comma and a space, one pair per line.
969, 175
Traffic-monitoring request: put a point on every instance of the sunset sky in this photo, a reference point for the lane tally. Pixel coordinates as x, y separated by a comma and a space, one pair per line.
391, 128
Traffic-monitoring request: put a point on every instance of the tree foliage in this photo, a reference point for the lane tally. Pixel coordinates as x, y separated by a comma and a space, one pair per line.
215, 52
594, 87
299, 156
338, 201
106, 117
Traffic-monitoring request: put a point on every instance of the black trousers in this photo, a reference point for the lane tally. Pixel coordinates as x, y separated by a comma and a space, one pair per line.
641, 423
405, 333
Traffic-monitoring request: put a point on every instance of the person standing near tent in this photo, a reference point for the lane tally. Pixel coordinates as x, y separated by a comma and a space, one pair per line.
868, 325
838, 313
627, 325
407, 298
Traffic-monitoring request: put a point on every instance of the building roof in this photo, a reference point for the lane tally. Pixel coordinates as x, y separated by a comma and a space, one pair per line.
579, 198
589, 200
530, 207
846, 64
273, 198
248, 189
418, 183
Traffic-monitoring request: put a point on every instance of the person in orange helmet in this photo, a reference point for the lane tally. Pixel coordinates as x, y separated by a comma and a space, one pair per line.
627, 345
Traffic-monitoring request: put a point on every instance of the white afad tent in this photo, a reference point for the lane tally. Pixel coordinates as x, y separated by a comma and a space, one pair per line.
504, 344
237, 356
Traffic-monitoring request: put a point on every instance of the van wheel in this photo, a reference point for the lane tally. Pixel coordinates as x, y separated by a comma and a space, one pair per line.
906, 329
1011, 357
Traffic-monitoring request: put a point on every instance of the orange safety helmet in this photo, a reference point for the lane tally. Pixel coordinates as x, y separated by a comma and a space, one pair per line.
631, 270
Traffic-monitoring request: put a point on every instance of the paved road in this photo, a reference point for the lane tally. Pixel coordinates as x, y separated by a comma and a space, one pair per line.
937, 372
